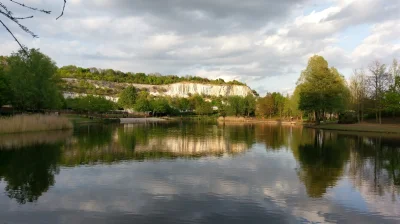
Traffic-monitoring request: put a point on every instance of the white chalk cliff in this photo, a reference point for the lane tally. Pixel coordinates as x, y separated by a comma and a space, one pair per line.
182, 89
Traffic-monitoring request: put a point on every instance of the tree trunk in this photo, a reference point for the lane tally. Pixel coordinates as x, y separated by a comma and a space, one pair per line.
362, 111
316, 117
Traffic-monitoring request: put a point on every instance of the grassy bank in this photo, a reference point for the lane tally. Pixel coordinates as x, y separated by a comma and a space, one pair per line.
35, 122
363, 127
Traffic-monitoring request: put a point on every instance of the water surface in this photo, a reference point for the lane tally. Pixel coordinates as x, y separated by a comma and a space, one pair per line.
199, 173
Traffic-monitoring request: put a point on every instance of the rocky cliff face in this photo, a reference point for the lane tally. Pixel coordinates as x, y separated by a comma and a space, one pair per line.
183, 89
186, 89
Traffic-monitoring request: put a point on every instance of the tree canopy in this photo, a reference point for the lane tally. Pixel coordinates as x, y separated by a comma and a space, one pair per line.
111, 75
30, 80
322, 89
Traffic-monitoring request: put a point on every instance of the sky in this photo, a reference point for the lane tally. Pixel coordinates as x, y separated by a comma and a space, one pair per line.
264, 43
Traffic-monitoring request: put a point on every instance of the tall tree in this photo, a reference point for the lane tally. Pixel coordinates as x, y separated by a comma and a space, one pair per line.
322, 89
378, 82
32, 80
236, 105
249, 104
392, 97
358, 92
279, 103
265, 106
5, 94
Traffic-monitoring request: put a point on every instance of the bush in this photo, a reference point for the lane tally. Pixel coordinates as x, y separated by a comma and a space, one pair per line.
347, 118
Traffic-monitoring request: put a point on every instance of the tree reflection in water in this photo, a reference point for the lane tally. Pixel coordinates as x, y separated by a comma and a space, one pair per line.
29, 171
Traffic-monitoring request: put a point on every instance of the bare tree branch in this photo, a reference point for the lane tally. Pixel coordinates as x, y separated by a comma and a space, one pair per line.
62, 12
28, 17
24, 28
22, 47
32, 8
9, 14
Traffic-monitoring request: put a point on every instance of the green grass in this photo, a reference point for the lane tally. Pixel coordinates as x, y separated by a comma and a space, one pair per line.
363, 127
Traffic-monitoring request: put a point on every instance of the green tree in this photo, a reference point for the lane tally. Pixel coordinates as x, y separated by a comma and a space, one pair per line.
204, 108
91, 104
265, 106
322, 89
279, 103
236, 105
32, 80
160, 106
127, 97
249, 105
142, 102
5, 94
392, 96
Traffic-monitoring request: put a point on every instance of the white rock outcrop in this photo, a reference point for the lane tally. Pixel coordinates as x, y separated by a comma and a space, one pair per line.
186, 89
182, 89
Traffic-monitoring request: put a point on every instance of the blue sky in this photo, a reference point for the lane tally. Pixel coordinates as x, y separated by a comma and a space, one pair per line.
265, 43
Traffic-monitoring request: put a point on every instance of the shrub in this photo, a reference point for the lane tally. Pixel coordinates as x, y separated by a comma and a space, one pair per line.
347, 118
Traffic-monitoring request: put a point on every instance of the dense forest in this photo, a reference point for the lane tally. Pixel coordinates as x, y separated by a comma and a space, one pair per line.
111, 75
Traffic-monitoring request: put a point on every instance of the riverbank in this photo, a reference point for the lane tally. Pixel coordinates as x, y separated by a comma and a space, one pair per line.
254, 120
141, 120
362, 127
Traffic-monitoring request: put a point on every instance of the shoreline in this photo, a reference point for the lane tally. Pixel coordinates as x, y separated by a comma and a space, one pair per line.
363, 127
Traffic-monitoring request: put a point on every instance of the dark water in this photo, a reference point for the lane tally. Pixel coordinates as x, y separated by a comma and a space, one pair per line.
199, 173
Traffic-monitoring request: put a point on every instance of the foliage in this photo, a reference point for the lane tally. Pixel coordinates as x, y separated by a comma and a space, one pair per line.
160, 106
236, 105
89, 103
5, 95
127, 97
32, 81
142, 102
322, 89
266, 106
203, 108
392, 96
347, 118
140, 78
249, 105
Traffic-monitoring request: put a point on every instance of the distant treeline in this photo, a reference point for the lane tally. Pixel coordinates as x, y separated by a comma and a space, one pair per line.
111, 75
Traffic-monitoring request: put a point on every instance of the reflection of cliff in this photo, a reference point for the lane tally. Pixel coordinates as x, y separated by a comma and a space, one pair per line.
191, 146
140, 142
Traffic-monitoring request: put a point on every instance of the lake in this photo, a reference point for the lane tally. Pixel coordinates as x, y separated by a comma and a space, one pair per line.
199, 173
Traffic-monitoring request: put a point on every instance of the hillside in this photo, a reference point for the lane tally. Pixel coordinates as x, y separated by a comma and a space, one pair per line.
111, 75
79, 81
